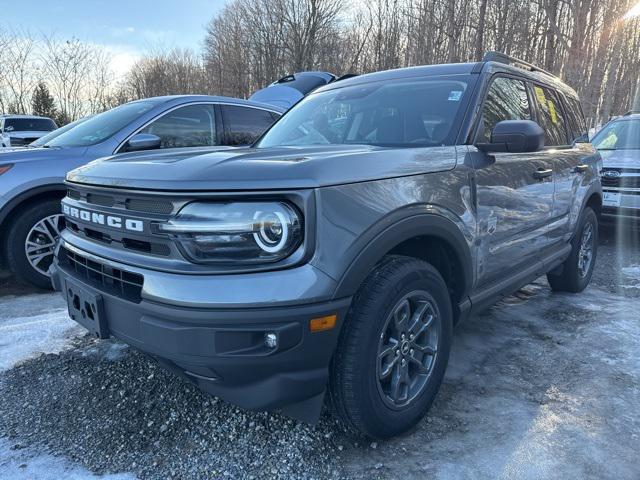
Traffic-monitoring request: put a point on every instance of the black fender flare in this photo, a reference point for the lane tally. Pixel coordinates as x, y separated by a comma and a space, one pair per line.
377, 243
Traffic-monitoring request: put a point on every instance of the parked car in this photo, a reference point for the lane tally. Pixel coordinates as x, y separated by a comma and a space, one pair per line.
619, 144
31, 179
19, 130
338, 252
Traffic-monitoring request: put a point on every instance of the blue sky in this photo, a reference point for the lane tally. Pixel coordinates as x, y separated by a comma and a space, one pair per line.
127, 28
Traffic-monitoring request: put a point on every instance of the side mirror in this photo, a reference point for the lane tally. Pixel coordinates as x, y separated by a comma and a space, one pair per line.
142, 141
514, 136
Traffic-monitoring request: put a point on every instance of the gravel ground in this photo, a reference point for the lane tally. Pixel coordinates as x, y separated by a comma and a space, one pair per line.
540, 386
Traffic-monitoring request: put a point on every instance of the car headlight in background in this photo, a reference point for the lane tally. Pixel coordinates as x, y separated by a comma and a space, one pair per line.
236, 232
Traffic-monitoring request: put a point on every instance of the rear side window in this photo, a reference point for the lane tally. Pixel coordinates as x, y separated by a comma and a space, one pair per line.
190, 126
506, 100
550, 116
576, 124
243, 125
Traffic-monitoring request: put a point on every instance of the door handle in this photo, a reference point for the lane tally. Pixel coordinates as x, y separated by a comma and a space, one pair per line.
581, 168
541, 173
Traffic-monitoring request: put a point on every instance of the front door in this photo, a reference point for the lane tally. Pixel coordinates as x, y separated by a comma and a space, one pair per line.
514, 191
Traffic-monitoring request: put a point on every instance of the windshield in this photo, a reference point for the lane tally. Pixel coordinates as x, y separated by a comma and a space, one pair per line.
619, 135
50, 136
407, 112
29, 125
102, 126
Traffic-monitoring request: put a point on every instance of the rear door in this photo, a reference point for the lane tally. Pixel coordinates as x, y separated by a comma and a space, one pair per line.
565, 146
514, 190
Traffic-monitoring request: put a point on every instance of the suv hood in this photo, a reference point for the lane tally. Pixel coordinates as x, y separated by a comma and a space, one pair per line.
30, 154
269, 168
27, 134
620, 158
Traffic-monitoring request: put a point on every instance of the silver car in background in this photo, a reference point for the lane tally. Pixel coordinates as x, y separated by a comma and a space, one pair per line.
619, 146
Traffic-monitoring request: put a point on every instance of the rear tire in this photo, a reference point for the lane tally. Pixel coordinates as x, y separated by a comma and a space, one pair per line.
381, 386
577, 269
40, 223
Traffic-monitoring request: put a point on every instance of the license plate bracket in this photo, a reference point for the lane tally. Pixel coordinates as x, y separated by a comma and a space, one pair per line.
611, 199
86, 308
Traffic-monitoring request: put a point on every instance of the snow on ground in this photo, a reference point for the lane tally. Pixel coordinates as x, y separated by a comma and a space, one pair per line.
34, 324
633, 274
24, 464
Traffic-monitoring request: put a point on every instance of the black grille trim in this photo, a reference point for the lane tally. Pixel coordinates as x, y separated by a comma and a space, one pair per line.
111, 280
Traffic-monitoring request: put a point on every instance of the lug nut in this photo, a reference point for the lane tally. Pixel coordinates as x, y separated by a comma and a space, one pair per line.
411, 352
403, 362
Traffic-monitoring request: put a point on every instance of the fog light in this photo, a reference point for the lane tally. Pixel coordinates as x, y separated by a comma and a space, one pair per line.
271, 340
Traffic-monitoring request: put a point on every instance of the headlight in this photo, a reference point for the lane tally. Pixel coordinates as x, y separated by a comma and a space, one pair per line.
236, 232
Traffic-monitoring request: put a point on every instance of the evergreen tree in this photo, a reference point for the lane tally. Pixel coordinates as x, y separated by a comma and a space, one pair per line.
42, 103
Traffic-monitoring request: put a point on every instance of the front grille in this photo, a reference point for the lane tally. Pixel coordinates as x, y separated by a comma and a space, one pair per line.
104, 200
153, 248
629, 178
133, 204
111, 280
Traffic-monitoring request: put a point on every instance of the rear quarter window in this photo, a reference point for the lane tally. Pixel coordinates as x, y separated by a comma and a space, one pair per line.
576, 124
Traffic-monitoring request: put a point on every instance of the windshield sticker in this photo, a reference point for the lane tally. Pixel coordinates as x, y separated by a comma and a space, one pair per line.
455, 95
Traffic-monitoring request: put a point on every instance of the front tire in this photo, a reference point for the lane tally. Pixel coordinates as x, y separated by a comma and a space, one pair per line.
31, 240
393, 350
577, 269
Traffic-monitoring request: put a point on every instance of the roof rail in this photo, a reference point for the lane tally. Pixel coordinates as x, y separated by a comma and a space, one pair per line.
632, 112
516, 62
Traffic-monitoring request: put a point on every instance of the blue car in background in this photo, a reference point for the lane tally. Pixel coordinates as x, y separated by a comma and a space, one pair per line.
31, 179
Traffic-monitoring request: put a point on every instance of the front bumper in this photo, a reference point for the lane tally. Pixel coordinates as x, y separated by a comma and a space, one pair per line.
222, 350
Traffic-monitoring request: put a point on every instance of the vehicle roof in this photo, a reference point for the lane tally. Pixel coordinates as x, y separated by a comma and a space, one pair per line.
178, 99
454, 69
12, 115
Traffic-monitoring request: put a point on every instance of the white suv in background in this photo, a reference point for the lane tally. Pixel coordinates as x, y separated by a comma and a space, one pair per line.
20, 130
619, 145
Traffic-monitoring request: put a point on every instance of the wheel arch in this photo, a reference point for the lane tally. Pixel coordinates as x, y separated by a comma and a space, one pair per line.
429, 237
24, 199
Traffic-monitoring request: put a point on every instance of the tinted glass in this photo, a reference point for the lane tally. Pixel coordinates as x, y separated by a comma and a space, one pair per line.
506, 100
29, 124
619, 135
550, 116
576, 124
243, 125
102, 126
190, 126
399, 113
56, 133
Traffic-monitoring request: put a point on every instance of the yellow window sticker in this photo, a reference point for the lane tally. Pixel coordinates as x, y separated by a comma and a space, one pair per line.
540, 95
552, 112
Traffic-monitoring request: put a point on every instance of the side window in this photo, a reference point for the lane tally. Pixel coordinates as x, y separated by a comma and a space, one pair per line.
190, 126
575, 121
506, 100
243, 125
550, 116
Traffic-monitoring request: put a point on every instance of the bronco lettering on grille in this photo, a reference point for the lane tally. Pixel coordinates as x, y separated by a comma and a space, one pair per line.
103, 219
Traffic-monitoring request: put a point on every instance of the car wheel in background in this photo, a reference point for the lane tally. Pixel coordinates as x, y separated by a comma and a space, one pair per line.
393, 350
31, 240
577, 269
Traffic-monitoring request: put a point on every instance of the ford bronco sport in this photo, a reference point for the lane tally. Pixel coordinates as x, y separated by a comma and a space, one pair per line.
336, 254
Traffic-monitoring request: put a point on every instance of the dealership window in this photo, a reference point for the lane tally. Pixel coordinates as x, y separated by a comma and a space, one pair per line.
550, 116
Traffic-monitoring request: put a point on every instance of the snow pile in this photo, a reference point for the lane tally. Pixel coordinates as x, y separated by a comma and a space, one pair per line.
34, 324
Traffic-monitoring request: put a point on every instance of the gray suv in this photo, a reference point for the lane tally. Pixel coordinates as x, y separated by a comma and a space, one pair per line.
335, 255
